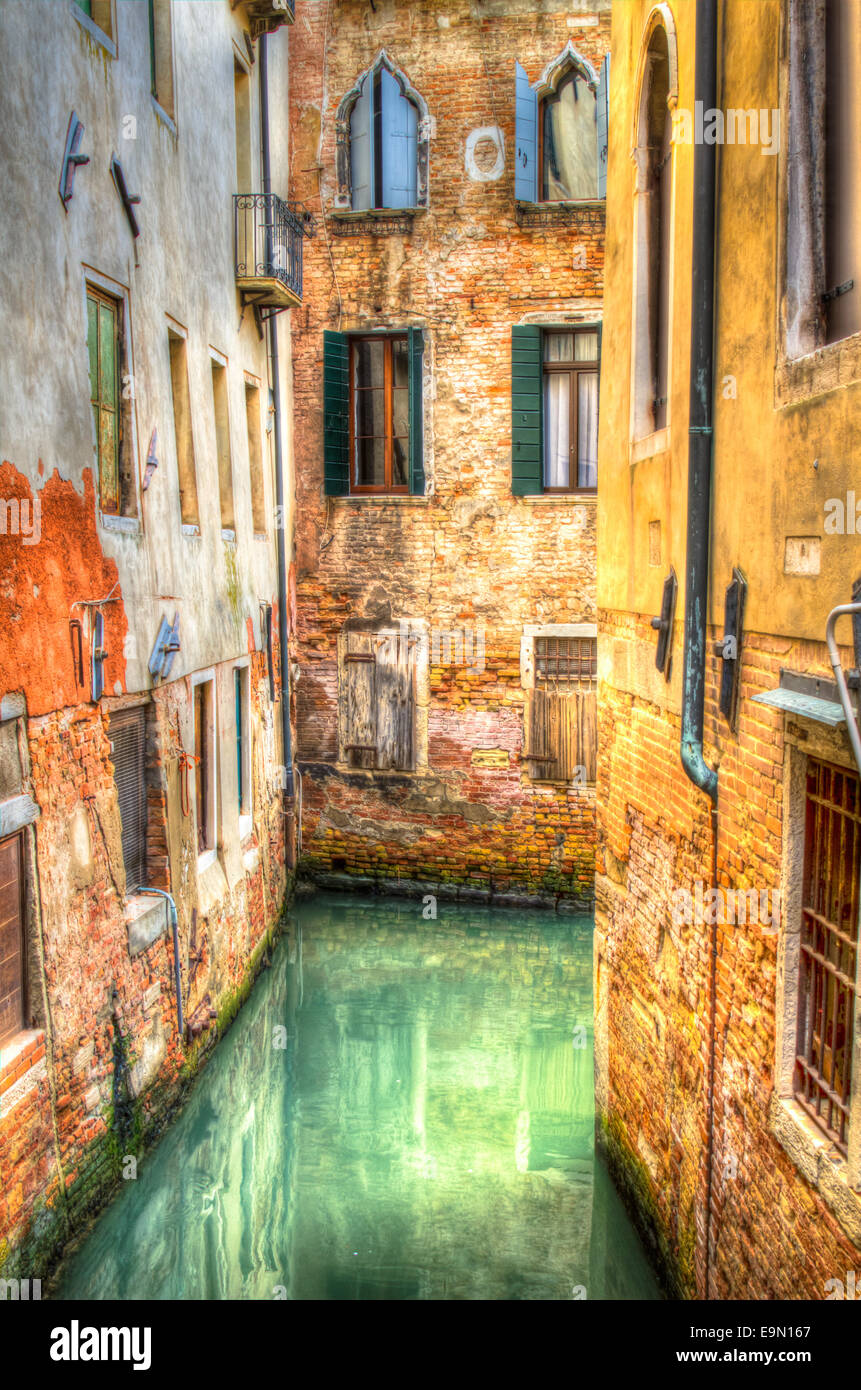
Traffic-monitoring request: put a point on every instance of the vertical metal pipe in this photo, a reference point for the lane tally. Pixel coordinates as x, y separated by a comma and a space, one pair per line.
272, 325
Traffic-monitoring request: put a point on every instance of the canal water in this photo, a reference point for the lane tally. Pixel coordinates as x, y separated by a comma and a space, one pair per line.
403, 1109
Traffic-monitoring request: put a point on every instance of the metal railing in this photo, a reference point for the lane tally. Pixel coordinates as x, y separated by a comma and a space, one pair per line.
268, 237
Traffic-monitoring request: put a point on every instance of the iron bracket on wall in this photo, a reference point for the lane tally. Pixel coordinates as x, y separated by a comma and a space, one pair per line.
71, 159
728, 647
129, 200
664, 625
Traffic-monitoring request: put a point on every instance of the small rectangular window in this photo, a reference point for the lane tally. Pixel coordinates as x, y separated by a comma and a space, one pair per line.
571, 411
12, 957
183, 435
828, 947
128, 745
204, 752
222, 445
103, 346
255, 458
380, 414
562, 738
161, 53
100, 12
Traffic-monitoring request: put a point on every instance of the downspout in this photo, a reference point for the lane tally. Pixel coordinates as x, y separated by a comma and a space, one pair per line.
699, 512
272, 325
177, 972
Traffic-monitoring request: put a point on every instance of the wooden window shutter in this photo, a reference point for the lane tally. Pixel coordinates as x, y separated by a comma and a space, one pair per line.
102, 344
526, 141
128, 742
400, 140
603, 119
527, 467
11, 938
336, 413
360, 701
417, 463
362, 148
395, 703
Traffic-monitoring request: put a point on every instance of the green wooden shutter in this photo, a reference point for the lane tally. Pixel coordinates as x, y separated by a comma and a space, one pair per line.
336, 413
527, 457
417, 456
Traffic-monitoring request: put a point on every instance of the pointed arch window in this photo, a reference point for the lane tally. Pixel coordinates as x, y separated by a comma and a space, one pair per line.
382, 143
561, 128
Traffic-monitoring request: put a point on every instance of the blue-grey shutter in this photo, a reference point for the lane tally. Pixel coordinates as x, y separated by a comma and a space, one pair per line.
527, 432
526, 143
603, 122
362, 148
336, 414
400, 140
417, 459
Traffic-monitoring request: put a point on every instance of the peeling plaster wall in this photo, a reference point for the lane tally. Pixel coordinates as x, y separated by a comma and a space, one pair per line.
101, 1066
468, 555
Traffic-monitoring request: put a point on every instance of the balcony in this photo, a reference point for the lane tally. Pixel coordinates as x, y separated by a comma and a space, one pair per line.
267, 239
267, 15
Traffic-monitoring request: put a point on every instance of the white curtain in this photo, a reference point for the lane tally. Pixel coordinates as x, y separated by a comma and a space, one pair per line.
557, 418
587, 420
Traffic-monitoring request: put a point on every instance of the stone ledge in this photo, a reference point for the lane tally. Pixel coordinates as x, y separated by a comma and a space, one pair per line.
818, 1161
448, 892
22, 1088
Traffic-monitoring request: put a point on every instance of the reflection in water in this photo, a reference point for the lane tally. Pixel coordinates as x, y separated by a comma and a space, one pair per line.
425, 1132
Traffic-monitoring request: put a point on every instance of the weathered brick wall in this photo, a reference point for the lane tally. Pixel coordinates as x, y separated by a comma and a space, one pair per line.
468, 554
115, 1065
774, 1235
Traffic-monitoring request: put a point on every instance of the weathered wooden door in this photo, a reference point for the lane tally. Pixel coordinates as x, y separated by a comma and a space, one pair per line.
11, 938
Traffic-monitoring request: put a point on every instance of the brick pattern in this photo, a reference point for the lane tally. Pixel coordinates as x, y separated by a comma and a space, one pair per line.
469, 554
775, 1237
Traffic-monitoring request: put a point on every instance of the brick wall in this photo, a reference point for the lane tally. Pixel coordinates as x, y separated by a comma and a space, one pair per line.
773, 1234
469, 554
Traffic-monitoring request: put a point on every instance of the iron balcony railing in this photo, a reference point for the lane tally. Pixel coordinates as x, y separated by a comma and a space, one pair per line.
268, 235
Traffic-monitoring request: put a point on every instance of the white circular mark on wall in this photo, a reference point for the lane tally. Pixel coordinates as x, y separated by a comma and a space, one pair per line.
485, 154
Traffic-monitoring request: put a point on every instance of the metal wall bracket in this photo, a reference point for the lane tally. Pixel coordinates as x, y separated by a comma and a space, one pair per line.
71, 159
129, 200
728, 647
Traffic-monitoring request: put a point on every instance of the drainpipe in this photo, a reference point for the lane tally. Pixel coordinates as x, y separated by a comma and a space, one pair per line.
272, 325
177, 973
699, 513
700, 415
848, 610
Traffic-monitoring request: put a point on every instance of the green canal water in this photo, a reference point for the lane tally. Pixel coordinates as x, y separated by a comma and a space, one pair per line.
402, 1110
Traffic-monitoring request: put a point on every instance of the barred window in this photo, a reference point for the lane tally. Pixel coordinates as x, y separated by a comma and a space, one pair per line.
829, 943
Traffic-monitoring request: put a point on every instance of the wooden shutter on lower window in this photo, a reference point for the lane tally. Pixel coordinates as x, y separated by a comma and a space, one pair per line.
417, 460
527, 433
11, 939
395, 703
128, 740
336, 413
563, 735
360, 701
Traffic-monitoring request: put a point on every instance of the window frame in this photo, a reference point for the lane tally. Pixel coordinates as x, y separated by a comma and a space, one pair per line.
117, 718
574, 370
244, 783
388, 488
19, 837
573, 70
208, 854
128, 517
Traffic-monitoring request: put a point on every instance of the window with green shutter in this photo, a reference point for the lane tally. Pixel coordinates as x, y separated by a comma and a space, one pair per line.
554, 409
372, 413
103, 342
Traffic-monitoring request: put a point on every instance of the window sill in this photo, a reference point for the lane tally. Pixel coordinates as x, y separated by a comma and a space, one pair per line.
819, 1162
817, 373
246, 827
212, 886
650, 445
228, 536
22, 1065
374, 221
261, 535
381, 499
93, 29
123, 525
587, 210
568, 499
191, 530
